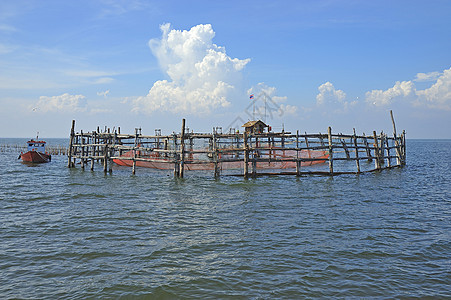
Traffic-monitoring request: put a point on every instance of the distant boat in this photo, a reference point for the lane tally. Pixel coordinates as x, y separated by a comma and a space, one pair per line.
36, 152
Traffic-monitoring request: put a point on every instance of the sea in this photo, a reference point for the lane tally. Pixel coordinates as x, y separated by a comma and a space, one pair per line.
81, 234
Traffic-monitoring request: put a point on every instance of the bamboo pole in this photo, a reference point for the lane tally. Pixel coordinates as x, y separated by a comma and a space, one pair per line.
105, 157
246, 155
388, 152
367, 148
182, 150
176, 157
134, 152
404, 147
307, 145
357, 160
345, 147
215, 154
331, 159
82, 141
72, 134
298, 161
376, 152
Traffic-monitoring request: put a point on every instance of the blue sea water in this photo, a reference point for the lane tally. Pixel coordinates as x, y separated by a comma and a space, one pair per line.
69, 233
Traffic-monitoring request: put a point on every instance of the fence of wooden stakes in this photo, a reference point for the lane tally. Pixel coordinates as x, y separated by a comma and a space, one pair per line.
248, 154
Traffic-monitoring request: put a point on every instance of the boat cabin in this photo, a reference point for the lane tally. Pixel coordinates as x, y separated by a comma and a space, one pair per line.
255, 127
38, 146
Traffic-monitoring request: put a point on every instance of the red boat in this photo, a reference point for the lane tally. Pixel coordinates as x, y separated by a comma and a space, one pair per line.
36, 152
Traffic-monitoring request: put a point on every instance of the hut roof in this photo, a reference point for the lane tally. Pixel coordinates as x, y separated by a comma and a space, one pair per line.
253, 123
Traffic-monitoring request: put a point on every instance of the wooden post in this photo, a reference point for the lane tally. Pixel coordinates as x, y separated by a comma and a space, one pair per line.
368, 151
215, 154
404, 147
376, 152
387, 146
253, 151
307, 144
298, 161
111, 154
356, 152
321, 139
397, 145
72, 134
134, 152
176, 157
382, 149
105, 157
345, 147
331, 158
82, 140
93, 149
165, 147
182, 150
246, 155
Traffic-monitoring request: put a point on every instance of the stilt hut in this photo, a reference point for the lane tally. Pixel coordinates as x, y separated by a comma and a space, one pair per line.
255, 127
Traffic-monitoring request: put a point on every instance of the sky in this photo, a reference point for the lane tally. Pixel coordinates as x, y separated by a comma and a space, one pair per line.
149, 64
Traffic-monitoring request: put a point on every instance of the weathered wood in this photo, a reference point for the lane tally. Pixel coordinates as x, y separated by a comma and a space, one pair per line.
176, 156
134, 152
284, 149
307, 145
105, 158
376, 152
246, 155
182, 150
298, 161
215, 155
356, 152
345, 147
331, 153
367, 148
388, 152
71, 139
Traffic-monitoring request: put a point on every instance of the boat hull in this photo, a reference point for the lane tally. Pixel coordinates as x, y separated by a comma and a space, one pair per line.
35, 157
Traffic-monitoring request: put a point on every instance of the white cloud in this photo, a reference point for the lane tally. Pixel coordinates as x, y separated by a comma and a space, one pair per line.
332, 99
400, 90
431, 76
328, 94
202, 76
438, 96
61, 103
104, 94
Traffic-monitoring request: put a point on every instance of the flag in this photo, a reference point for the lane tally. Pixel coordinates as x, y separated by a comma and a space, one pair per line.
251, 96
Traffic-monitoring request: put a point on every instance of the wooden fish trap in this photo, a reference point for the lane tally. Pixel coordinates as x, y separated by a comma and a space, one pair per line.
247, 154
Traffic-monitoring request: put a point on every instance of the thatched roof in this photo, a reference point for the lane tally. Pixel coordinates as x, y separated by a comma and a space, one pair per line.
253, 124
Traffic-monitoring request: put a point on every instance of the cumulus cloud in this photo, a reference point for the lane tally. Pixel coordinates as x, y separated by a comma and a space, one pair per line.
202, 76
401, 90
431, 76
438, 96
332, 98
61, 103
328, 94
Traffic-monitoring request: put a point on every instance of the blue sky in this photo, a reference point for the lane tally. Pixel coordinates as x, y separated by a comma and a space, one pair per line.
149, 64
